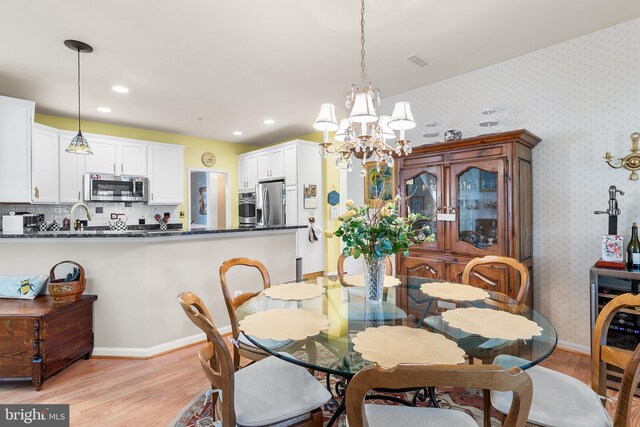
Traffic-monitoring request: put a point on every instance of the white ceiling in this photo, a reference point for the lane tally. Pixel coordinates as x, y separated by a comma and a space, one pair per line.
236, 63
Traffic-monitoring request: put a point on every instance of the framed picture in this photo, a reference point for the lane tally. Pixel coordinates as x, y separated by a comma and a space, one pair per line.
310, 196
378, 186
488, 180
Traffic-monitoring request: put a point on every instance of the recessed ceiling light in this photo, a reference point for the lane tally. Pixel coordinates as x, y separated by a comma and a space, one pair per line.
237, 133
269, 122
104, 109
120, 89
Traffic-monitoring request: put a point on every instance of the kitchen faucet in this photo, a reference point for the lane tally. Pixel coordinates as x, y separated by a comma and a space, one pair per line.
71, 219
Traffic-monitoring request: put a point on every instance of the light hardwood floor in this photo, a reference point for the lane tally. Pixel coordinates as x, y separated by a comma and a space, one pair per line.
123, 392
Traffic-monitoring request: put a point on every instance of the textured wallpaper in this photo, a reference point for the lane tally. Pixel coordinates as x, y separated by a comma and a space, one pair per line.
569, 95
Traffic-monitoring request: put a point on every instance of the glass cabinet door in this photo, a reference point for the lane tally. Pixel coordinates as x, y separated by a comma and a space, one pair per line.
422, 187
477, 195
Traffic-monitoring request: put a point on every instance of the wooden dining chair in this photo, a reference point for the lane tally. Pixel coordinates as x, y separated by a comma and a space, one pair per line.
242, 346
270, 391
523, 288
561, 400
409, 376
341, 272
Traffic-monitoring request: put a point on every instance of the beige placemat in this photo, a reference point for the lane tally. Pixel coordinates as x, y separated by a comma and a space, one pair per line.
358, 280
284, 324
294, 291
390, 345
492, 323
453, 291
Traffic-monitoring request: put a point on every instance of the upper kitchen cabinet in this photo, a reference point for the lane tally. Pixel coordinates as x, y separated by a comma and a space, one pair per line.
116, 158
16, 123
247, 172
44, 165
271, 164
71, 170
291, 164
103, 159
166, 178
132, 158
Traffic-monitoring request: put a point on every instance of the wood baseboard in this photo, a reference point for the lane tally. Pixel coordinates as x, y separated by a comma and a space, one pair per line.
310, 276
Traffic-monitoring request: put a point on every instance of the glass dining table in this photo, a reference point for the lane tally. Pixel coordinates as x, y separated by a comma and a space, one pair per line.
332, 351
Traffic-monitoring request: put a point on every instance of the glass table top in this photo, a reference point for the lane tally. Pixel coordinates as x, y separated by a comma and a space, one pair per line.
405, 304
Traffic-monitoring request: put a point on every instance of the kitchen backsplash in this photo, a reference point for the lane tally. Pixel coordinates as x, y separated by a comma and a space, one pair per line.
133, 214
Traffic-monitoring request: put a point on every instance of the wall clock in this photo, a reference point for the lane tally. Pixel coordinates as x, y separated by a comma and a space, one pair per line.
208, 159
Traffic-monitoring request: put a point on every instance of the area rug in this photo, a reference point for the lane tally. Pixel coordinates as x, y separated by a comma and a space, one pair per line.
468, 400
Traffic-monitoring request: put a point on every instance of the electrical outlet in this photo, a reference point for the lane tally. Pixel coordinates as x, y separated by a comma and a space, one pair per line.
114, 216
237, 293
99, 209
181, 214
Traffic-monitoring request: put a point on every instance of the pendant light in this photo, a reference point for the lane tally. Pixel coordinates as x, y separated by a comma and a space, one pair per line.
79, 144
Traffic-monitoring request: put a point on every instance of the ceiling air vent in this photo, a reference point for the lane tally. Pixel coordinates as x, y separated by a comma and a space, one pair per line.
417, 60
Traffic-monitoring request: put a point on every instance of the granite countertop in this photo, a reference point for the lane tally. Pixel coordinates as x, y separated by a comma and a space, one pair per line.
142, 233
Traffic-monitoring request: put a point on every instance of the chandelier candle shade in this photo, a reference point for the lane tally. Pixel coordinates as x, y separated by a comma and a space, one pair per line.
79, 144
364, 134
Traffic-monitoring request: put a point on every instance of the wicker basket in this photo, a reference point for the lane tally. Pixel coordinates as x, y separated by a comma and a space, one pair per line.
62, 291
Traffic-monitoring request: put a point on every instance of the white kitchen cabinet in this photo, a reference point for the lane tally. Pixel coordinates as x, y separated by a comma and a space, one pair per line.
16, 122
298, 163
44, 166
277, 163
247, 172
291, 165
103, 160
71, 170
132, 158
166, 178
292, 206
264, 165
242, 173
271, 164
252, 172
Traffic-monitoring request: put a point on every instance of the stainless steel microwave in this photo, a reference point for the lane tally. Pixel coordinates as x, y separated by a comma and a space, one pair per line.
114, 188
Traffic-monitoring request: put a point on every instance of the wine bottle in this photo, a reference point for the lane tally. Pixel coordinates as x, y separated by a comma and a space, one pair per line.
633, 250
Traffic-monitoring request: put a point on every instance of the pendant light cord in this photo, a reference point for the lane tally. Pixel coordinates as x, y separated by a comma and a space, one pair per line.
79, 129
362, 74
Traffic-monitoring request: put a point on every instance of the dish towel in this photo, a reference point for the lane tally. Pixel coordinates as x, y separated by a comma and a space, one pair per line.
315, 233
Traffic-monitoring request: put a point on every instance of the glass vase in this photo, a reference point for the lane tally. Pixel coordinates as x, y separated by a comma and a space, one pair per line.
374, 269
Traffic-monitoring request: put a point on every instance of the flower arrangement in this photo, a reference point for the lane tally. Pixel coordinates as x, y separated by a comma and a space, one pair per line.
376, 233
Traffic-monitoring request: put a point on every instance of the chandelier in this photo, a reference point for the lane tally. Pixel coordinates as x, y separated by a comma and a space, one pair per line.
364, 134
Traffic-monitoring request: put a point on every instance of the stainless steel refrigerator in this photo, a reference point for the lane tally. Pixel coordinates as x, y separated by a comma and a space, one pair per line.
271, 201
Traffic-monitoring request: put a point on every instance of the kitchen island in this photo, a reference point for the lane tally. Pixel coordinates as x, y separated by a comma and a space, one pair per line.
138, 275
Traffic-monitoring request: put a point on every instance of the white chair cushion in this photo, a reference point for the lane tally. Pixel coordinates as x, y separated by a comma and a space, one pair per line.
395, 415
272, 390
558, 399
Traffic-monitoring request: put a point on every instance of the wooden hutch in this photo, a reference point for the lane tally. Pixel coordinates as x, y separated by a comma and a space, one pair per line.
477, 196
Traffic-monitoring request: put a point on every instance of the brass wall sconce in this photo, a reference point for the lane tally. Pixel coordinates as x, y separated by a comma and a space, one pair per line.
631, 161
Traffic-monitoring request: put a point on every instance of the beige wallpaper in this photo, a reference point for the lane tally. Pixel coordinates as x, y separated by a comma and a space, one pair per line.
569, 95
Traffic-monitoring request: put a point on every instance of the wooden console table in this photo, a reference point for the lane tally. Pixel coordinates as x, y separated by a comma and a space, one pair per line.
38, 338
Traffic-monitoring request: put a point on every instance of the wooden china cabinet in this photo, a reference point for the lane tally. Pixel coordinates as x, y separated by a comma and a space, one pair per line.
477, 196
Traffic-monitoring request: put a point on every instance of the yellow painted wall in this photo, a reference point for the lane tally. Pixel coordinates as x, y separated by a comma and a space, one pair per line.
331, 180
225, 152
